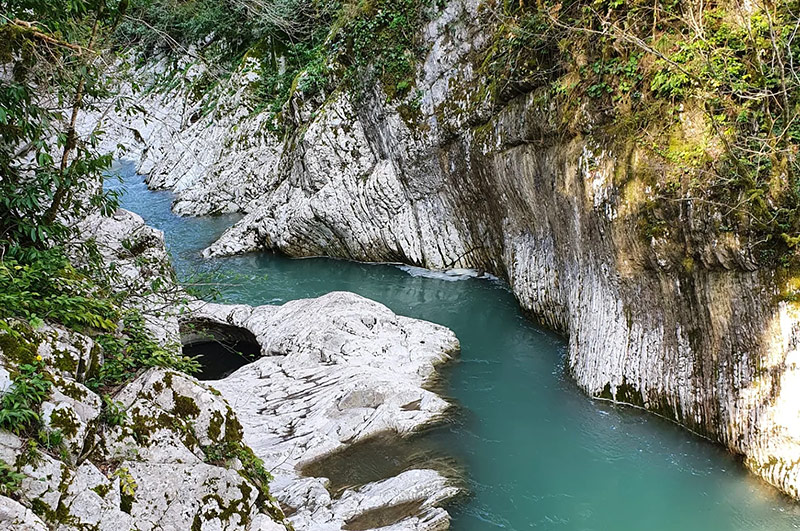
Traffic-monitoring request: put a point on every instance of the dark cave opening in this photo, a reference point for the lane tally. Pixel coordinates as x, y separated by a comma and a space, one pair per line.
220, 348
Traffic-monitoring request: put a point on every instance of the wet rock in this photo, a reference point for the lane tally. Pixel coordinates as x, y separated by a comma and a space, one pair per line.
387, 504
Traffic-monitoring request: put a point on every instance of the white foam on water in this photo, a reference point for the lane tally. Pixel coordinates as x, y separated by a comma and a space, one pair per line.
449, 275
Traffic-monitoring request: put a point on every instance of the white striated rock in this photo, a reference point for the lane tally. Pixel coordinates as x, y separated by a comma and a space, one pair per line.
383, 504
497, 187
337, 369
174, 496
137, 254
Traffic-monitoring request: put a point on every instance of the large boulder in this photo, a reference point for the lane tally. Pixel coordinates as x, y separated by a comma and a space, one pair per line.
337, 370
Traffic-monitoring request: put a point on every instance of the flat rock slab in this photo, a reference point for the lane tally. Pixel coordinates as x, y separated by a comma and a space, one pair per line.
336, 370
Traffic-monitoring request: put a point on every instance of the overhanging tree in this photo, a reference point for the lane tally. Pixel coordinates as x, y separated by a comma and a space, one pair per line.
49, 174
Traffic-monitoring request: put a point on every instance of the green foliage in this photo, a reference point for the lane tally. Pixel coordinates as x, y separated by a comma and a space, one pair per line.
305, 46
615, 76
20, 404
114, 412
302, 68
524, 53
50, 439
223, 30
10, 480
133, 349
159, 24
381, 40
49, 174
710, 94
741, 73
127, 487
44, 285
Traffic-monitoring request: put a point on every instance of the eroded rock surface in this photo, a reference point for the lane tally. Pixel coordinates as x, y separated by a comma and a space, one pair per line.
336, 370
151, 469
136, 253
168, 454
173, 452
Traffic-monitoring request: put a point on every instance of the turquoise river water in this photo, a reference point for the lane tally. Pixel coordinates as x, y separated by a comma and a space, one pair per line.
537, 452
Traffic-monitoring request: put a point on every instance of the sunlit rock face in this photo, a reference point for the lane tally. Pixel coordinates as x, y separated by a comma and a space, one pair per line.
333, 373
336, 371
694, 331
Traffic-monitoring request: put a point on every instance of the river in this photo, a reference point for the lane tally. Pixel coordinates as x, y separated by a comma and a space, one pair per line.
537, 452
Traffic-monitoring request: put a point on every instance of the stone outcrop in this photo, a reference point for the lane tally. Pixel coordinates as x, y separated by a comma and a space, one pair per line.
335, 371
17, 517
137, 255
148, 469
692, 330
163, 452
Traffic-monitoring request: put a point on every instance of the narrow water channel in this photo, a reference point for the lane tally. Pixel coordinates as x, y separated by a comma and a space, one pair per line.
537, 452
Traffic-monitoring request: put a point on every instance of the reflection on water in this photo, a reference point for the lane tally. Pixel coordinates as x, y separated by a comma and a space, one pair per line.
379, 457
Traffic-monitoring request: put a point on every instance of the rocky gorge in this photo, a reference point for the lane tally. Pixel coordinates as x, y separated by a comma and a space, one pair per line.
685, 323
334, 371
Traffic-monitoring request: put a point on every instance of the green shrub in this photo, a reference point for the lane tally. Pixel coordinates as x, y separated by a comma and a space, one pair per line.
10, 480
133, 349
44, 285
50, 439
382, 40
20, 404
113, 413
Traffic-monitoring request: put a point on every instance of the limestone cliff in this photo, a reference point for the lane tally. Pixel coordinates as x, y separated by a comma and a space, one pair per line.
684, 322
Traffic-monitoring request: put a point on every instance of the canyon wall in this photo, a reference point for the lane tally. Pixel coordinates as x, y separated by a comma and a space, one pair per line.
684, 323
